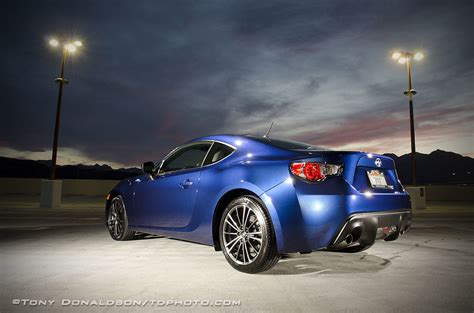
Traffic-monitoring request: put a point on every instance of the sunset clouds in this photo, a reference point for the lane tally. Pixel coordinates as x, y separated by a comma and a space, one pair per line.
155, 74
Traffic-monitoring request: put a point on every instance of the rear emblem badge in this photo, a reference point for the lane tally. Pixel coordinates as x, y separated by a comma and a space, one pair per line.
378, 162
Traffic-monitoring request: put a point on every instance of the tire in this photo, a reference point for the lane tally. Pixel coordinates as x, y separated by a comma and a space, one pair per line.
249, 249
117, 222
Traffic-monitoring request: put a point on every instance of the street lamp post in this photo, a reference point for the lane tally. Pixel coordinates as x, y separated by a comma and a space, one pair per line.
67, 49
406, 57
51, 189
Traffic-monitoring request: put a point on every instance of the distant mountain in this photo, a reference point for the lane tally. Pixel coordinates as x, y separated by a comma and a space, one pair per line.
41, 169
438, 167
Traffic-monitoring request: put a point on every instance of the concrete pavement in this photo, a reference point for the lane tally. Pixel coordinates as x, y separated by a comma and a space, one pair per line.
67, 254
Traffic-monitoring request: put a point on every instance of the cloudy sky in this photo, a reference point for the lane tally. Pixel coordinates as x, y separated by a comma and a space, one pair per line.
154, 74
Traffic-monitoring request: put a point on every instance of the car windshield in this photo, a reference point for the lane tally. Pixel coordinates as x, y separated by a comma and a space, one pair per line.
289, 144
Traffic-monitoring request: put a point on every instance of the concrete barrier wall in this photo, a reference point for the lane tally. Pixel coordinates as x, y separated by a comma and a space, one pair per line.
71, 187
450, 193
92, 187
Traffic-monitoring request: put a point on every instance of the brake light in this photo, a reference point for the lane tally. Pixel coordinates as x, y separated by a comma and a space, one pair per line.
315, 171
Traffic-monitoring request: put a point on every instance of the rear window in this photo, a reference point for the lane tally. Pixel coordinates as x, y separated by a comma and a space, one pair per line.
217, 153
289, 144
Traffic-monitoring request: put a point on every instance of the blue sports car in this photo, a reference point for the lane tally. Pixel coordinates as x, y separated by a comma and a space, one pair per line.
256, 198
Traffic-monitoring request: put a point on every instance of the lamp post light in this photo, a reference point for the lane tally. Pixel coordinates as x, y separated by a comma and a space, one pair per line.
402, 58
51, 189
68, 48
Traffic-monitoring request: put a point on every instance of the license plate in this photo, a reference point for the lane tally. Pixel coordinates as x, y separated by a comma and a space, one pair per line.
377, 179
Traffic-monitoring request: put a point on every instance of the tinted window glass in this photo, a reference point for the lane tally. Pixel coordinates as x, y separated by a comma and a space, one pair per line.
187, 157
217, 153
288, 144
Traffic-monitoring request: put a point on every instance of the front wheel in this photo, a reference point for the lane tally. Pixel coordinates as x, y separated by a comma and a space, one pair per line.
247, 237
117, 221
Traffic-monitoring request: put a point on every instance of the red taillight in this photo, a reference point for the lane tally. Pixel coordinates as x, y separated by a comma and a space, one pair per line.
314, 171
297, 168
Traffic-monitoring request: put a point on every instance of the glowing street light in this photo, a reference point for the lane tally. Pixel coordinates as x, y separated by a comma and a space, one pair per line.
396, 55
402, 58
68, 48
419, 56
54, 42
71, 48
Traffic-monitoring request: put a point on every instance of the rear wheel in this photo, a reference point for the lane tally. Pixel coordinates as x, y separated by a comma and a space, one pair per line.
117, 221
247, 237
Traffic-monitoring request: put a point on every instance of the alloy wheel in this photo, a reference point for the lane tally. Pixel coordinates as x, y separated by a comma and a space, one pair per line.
115, 219
242, 233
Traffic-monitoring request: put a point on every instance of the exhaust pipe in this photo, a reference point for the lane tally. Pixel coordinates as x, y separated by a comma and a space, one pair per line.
349, 239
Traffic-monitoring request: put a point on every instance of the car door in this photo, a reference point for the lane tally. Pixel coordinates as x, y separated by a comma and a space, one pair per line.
167, 200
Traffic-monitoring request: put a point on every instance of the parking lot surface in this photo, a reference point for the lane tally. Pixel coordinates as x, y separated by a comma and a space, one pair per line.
66, 256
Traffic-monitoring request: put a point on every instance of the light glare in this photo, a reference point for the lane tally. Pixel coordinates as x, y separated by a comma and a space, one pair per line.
78, 43
54, 42
402, 60
396, 55
71, 48
419, 56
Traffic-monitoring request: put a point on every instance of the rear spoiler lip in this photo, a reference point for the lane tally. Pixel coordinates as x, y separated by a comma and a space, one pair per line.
325, 156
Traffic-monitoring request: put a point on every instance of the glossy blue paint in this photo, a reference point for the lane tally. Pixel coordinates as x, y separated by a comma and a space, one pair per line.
156, 200
305, 216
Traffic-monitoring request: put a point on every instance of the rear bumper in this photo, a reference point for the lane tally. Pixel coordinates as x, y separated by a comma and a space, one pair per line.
306, 218
364, 228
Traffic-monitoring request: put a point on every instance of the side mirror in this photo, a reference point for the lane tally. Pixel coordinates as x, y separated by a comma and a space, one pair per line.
148, 167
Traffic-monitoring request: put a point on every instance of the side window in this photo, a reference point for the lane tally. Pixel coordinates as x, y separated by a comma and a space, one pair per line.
217, 153
188, 157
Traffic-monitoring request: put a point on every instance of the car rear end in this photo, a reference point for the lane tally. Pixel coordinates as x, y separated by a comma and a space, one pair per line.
339, 200
364, 188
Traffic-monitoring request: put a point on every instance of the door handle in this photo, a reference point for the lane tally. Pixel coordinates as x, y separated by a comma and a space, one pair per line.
186, 183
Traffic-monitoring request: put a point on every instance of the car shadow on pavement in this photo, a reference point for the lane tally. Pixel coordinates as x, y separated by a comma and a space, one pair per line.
325, 262
143, 236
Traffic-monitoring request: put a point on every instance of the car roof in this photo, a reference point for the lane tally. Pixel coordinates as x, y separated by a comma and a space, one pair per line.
226, 138
270, 142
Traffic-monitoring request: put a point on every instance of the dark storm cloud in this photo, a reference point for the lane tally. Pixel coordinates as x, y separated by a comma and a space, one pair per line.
153, 74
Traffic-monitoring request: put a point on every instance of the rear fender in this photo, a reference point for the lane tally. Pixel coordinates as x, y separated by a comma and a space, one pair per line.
244, 185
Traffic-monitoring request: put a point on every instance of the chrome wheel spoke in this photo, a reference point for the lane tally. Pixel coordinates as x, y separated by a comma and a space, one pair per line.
233, 245
246, 251
255, 233
243, 252
253, 223
255, 238
233, 241
232, 234
251, 245
227, 221
238, 250
237, 226
238, 217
